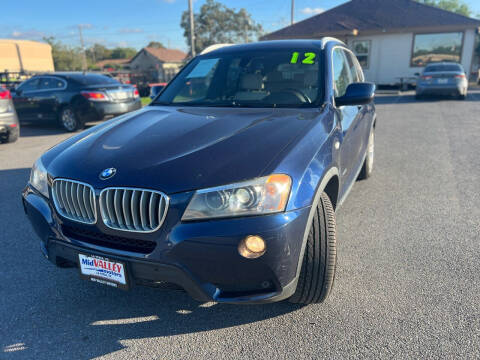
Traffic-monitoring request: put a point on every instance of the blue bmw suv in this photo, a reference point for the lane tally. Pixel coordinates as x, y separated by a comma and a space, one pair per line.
226, 185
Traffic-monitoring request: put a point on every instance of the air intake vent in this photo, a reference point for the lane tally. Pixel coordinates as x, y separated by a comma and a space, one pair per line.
74, 200
132, 209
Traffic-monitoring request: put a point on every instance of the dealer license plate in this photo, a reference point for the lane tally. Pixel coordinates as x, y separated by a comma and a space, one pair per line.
102, 270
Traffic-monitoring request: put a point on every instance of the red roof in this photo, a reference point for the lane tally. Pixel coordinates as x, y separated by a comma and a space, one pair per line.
102, 63
167, 55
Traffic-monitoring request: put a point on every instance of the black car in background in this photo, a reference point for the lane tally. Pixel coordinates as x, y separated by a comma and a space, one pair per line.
73, 98
9, 128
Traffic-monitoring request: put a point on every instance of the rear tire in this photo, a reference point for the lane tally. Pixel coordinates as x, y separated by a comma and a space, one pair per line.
11, 137
69, 120
319, 261
367, 167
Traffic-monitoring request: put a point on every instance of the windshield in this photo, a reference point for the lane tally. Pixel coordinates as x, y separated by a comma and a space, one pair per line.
248, 79
440, 68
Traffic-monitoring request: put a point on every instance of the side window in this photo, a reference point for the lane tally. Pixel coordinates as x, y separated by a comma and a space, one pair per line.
45, 83
50, 83
29, 85
355, 69
197, 82
56, 83
341, 72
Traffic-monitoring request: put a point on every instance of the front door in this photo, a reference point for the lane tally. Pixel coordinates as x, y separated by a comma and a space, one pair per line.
350, 119
23, 99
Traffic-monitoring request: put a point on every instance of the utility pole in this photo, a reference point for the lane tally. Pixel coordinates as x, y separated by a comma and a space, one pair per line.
292, 13
192, 27
84, 56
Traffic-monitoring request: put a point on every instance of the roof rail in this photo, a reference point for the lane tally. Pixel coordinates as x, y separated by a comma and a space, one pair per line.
327, 39
214, 47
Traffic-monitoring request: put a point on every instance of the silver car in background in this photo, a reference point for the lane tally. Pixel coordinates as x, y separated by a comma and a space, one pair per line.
9, 128
445, 78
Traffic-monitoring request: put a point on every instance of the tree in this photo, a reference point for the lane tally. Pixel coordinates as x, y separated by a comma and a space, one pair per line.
155, 44
65, 58
123, 53
98, 52
216, 24
456, 6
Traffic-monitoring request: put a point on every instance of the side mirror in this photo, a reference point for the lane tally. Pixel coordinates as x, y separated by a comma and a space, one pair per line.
16, 91
357, 94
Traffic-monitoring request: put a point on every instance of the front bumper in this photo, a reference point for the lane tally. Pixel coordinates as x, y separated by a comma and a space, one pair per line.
99, 110
201, 257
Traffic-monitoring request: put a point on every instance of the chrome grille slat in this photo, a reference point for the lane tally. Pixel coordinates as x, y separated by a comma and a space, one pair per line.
80, 201
151, 210
109, 203
135, 209
86, 202
130, 209
59, 196
117, 207
125, 206
74, 200
63, 190
143, 210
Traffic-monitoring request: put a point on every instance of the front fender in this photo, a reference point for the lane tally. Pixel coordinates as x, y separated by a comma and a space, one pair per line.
310, 160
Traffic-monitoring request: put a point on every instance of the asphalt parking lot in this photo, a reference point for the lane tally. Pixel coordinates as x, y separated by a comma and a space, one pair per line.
407, 285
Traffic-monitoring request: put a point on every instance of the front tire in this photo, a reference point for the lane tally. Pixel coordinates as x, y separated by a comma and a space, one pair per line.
69, 120
320, 258
367, 167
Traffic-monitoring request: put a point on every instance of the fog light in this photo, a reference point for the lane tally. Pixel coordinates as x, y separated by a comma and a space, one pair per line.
252, 247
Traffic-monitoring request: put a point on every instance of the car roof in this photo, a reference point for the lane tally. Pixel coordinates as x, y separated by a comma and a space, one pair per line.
276, 45
75, 75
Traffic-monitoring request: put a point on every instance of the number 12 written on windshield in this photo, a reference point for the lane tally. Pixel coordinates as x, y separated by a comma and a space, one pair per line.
309, 58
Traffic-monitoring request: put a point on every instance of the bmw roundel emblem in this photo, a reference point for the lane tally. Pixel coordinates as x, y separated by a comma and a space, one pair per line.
107, 173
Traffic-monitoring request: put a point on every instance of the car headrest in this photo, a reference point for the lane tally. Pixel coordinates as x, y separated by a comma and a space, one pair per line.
251, 82
311, 78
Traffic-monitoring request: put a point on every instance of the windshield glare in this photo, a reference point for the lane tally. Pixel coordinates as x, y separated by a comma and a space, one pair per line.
248, 79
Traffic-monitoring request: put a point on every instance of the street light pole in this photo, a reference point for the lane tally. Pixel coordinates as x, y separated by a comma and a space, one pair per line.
292, 13
84, 57
192, 27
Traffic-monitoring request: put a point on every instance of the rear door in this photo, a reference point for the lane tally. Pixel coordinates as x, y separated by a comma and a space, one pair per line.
350, 117
46, 97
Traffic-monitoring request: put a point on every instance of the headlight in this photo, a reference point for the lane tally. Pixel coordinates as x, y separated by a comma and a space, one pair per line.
265, 195
38, 178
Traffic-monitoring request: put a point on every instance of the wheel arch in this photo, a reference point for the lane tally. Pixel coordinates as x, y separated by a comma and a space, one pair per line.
331, 179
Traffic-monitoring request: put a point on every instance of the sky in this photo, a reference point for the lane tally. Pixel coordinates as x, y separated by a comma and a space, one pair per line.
135, 23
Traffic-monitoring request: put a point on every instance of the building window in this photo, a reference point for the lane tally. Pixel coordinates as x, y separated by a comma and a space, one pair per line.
361, 48
436, 47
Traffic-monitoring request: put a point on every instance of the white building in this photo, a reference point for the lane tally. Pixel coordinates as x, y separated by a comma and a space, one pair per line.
393, 39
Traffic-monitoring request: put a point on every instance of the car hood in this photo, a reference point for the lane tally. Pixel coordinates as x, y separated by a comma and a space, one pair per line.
179, 149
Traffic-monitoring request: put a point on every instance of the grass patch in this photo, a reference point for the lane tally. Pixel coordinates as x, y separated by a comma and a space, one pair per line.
146, 100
